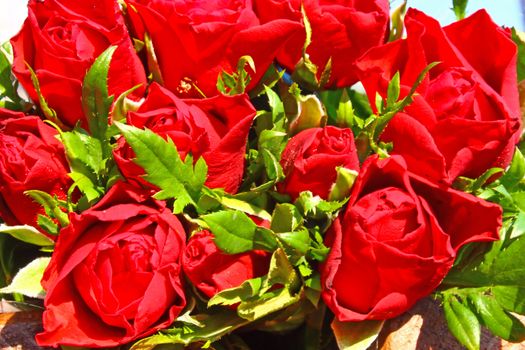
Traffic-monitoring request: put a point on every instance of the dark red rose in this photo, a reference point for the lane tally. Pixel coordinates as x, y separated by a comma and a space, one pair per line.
214, 128
61, 39
397, 240
31, 158
115, 274
341, 30
211, 270
311, 157
465, 118
196, 41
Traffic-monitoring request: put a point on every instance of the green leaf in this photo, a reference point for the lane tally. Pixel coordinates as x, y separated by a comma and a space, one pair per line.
498, 321
91, 191
356, 335
394, 89
518, 38
459, 8
516, 171
96, 103
27, 234
236, 233
315, 207
212, 327
248, 289
509, 267
281, 272
274, 170
8, 84
276, 105
27, 280
510, 297
84, 153
245, 207
286, 218
257, 300
164, 167
462, 323
269, 303
298, 241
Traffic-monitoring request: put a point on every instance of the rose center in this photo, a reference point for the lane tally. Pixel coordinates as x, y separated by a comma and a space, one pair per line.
452, 94
387, 214
12, 159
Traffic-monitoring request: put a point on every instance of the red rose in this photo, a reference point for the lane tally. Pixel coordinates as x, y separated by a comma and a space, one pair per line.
215, 128
194, 42
341, 30
211, 270
60, 40
115, 274
465, 118
311, 157
397, 240
31, 158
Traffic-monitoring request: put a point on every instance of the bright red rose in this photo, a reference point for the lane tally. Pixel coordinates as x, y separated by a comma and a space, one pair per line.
341, 30
397, 240
214, 128
211, 270
465, 118
311, 157
31, 158
195, 41
115, 274
61, 39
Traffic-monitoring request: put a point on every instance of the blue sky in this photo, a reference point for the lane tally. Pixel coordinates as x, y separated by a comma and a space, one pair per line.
503, 12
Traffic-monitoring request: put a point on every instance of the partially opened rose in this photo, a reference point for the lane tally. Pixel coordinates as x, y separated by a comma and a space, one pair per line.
211, 270
115, 275
310, 160
31, 158
195, 41
60, 40
397, 240
214, 128
465, 117
341, 31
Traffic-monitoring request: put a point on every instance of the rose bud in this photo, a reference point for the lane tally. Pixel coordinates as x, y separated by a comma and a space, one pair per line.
60, 40
397, 240
31, 158
115, 274
311, 158
465, 118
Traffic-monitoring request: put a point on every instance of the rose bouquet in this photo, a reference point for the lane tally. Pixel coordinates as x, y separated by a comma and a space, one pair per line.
194, 173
